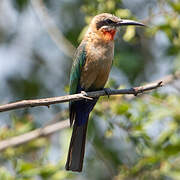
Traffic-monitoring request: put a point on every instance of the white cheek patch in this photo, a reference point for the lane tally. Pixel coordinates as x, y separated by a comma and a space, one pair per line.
108, 28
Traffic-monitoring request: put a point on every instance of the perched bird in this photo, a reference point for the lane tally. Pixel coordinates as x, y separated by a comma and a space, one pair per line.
90, 71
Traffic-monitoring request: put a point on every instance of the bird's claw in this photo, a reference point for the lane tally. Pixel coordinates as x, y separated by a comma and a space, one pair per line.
107, 91
135, 91
84, 93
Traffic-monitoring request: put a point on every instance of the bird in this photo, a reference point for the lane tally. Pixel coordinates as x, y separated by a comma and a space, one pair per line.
90, 70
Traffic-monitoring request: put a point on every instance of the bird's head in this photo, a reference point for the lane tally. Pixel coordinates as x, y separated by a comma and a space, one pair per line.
106, 25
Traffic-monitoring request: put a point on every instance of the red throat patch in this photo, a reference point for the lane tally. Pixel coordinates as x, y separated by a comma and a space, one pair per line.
109, 35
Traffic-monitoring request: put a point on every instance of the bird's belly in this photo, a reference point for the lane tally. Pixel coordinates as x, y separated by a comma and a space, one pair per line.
101, 78
95, 74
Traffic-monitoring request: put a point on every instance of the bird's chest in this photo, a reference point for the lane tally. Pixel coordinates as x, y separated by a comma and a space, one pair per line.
100, 57
97, 67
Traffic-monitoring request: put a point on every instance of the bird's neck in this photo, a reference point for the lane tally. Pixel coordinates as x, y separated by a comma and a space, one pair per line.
108, 35
105, 38
99, 48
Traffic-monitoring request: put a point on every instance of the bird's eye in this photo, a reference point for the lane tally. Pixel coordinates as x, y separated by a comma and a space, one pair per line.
109, 21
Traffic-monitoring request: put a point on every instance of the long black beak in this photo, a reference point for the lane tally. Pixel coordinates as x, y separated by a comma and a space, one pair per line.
126, 22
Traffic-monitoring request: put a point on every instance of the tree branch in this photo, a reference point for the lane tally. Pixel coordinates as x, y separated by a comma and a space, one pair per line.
50, 129
171, 78
75, 97
24, 138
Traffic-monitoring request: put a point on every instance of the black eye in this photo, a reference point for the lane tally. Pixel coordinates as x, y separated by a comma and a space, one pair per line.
109, 21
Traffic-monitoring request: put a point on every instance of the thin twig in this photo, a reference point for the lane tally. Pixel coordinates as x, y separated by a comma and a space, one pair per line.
75, 97
24, 138
167, 80
171, 78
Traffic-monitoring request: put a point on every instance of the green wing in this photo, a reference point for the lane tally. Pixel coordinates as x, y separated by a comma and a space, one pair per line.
79, 61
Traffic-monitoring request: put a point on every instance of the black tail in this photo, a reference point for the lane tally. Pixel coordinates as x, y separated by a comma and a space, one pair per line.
79, 115
77, 148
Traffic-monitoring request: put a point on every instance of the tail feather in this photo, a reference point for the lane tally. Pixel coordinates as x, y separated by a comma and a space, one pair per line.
77, 148
79, 114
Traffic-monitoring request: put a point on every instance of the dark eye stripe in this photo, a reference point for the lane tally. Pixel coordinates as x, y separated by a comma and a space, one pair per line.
100, 24
109, 21
104, 22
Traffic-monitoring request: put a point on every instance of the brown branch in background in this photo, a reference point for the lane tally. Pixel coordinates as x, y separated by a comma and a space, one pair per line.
24, 138
52, 29
89, 95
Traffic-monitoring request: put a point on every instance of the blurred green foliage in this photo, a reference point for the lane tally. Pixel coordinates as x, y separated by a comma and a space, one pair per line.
129, 138
20, 4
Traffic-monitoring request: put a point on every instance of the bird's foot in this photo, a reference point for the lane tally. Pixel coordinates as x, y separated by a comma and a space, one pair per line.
107, 91
85, 95
135, 91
